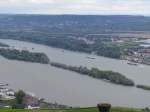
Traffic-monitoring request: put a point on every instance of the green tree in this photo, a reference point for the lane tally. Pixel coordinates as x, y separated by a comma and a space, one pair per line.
18, 103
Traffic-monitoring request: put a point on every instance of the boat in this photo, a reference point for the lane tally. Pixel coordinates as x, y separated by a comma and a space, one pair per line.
132, 63
90, 57
2, 84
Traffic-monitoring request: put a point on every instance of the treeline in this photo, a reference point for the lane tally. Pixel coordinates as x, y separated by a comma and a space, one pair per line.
24, 55
110, 76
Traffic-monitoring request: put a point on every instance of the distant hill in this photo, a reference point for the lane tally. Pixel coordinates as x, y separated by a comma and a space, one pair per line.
74, 23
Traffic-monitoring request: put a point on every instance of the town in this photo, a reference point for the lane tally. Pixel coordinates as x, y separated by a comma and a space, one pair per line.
8, 97
137, 50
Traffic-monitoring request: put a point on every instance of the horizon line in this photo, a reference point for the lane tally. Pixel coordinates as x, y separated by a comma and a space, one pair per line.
75, 14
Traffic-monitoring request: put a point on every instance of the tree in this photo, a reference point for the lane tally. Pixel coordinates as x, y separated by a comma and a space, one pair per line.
18, 103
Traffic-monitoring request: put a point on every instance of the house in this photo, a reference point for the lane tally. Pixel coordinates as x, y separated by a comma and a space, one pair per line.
33, 107
31, 102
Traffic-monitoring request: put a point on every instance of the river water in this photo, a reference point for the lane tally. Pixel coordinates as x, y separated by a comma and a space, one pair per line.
70, 88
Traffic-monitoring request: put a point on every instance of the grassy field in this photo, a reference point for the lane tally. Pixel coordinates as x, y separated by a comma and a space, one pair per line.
74, 110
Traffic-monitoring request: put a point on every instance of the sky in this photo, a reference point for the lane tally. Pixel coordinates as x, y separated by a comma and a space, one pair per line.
90, 7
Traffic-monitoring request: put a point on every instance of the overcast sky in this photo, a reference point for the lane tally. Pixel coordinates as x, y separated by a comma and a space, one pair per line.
132, 7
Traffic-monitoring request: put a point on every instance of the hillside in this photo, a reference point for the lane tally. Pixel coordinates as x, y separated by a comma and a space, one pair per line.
74, 110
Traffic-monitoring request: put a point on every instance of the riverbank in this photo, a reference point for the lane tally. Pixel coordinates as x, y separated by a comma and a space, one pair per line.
10, 98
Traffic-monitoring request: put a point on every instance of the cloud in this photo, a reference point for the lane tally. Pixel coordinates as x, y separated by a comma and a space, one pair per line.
62, 1
42, 1
76, 6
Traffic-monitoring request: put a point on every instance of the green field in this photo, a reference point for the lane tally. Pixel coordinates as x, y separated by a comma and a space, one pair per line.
74, 110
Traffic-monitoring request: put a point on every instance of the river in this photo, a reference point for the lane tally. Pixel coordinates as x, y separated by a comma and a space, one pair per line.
70, 88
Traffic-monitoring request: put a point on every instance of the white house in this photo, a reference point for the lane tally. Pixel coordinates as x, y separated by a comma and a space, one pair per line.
33, 107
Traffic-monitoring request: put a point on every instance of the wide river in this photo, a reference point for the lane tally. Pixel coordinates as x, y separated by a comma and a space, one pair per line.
70, 88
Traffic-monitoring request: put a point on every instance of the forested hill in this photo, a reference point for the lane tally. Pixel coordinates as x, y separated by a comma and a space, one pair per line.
74, 23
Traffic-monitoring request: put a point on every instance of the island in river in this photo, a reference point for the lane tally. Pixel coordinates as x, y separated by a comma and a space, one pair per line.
109, 76
28, 56
24, 55
144, 87
3, 45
